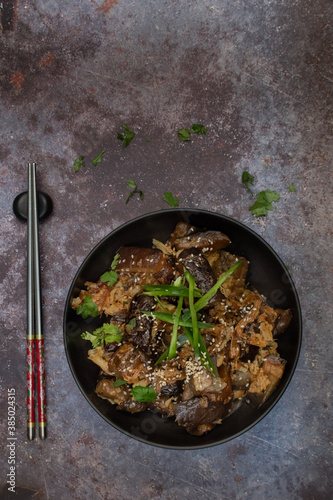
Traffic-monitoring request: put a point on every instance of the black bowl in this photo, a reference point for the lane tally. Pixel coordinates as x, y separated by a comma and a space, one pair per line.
266, 272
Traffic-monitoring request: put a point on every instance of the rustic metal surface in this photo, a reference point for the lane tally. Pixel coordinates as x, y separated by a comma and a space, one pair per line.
259, 76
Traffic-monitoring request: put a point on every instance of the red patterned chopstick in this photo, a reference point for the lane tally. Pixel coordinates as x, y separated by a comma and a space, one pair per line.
30, 316
34, 314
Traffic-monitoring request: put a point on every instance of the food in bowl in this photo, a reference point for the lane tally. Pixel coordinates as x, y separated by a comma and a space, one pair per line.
182, 333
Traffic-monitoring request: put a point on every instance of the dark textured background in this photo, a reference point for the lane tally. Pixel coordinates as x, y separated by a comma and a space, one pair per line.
259, 76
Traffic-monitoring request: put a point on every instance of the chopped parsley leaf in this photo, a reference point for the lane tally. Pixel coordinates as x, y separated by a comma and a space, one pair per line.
264, 202
79, 163
127, 136
98, 158
143, 394
119, 382
170, 199
111, 277
247, 179
198, 129
184, 134
108, 333
132, 185
87, 308
292, 188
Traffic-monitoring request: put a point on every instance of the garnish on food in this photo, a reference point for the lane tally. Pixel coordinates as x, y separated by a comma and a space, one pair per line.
190, 338
87, 308
110, 277
106, 333
143, 394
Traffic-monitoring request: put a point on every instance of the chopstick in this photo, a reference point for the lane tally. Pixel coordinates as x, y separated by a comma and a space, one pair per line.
30, 317
34, 314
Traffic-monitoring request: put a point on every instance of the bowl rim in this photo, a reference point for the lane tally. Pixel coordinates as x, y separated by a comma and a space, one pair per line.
242, 226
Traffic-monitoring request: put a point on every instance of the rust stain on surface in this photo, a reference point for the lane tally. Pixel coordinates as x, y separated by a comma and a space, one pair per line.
17, 80
267, 161
107, 6
48, 60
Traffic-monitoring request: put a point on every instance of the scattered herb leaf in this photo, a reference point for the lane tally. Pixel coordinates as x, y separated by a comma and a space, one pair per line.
264, 202
107, 332
143, 394
292, 188
127, 136
79, 163
170, 199
87, 308
198, 129
111, 277
98, 158
247, 179
184, 134
119, 382
132, 185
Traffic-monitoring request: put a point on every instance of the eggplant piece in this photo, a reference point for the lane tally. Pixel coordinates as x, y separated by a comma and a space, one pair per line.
248, 352
105, 389
129, 363
132, 406
111, 347
196, 263
103, 375
173, 390
241, 380
208, 241
199, 414
140, 335
282, 321
181, 230
145, 260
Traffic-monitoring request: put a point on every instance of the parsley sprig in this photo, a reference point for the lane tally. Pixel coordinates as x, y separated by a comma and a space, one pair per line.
107, 333
111, 277
87, 308
184, 134
143, 394
170, 199
264, 202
